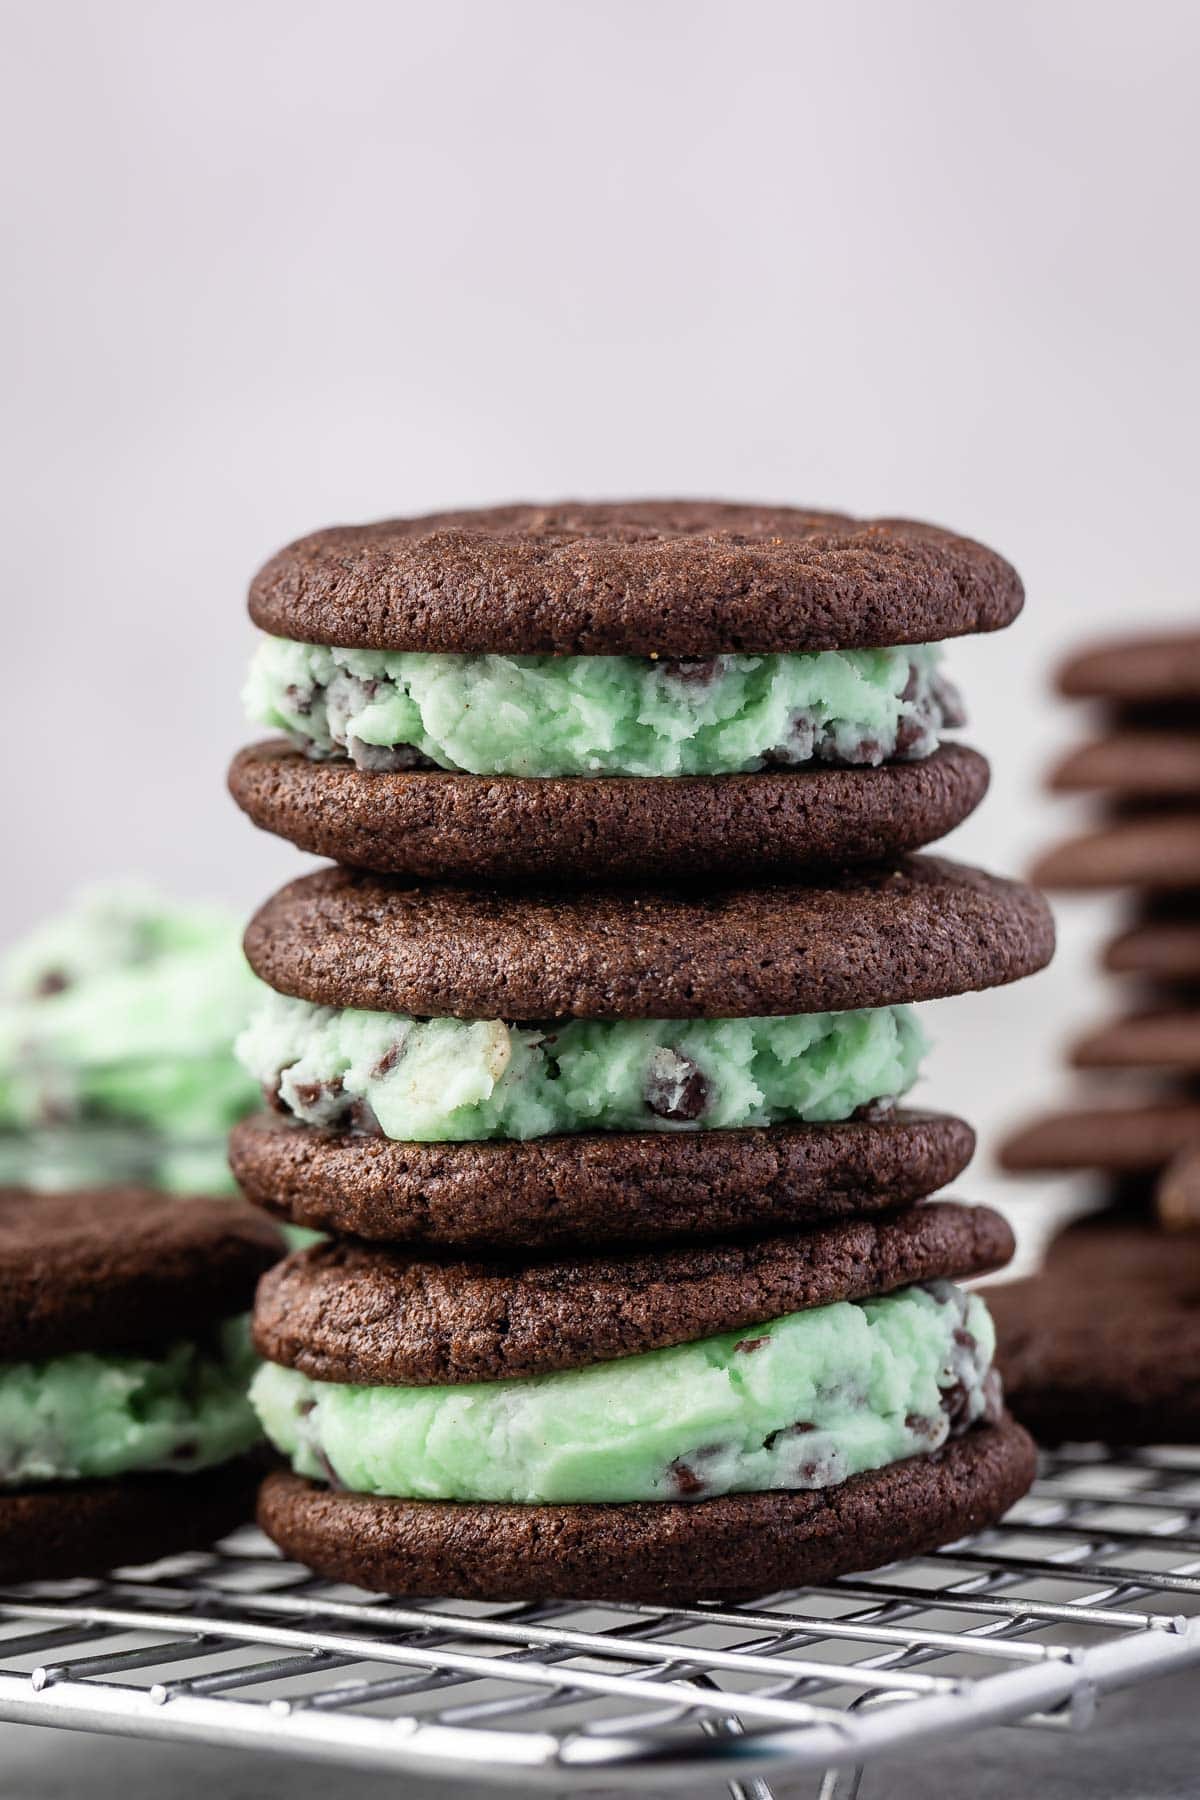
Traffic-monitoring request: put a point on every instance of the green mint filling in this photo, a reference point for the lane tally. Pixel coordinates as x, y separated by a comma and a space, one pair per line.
122, 1010
457, 1079
602, 715
95, 1415
803, 1402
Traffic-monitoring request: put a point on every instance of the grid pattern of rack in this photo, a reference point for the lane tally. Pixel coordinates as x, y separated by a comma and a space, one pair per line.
1090, 1584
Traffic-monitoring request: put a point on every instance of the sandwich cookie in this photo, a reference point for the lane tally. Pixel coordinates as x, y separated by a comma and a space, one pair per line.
125, 1431
636, 691
1158, 850
665, 1425
561, 1066
1104, 1344
1161, 949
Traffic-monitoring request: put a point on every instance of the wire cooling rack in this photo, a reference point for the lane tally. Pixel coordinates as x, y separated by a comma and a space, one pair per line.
1092, 1583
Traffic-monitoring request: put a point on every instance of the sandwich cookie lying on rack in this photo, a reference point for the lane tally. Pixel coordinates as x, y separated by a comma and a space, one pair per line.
616, 692
478, 1069
671, 1424
125, 1429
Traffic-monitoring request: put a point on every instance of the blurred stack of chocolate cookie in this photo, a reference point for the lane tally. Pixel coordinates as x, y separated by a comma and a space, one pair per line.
589, 1053
1104, 1343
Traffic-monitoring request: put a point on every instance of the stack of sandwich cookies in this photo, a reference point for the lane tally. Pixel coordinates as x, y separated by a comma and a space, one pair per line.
651, 690
632, 1291
125, 1429
1143, 770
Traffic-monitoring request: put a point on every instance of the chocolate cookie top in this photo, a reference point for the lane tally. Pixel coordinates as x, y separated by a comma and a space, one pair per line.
572, 831
111, 1268
673, 1553
1162, 666
1105, 1342
920, 930
349, 1312
594, 1188
639, 578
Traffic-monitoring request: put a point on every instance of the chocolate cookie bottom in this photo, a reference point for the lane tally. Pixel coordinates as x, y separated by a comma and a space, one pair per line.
85, 1527
571, 829
672, 1553
595, 1188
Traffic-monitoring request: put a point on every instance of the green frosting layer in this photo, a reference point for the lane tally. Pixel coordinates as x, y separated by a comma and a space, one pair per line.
88, 1415
804, 1402
602, 715
455, 1079
123, 1010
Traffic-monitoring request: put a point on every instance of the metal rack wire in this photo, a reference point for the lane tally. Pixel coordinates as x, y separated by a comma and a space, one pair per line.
1090, 1584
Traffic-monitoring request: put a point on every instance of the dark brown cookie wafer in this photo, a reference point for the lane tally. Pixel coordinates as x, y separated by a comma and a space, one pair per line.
356, 1313
1177, 1196
441, 826
1148, 1040
1117, 1140
1155, 763
1104, 1344
1147, 667
86, 1527
112, 1267
596, 1187
669, 1552
926, 928
1159, 851
1167, 953
644, 578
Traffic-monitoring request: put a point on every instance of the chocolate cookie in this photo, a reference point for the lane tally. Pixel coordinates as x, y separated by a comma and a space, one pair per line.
1152, 763
1164, 666
85, 1527
641, 578
1166, 952
669, 1553
918, 931
349, 1312
112, 1267
1177, 1197
1148, 1040
1116, 1140
472, 828
1104, 1344
595, 1188
1158, 851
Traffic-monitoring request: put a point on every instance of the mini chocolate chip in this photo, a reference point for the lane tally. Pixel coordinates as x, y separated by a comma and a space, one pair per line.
331, 1474
691, 671
361, 1119
965, 1339
676, 1087
748, 1346
304, 1407
873, 1110
800, 1429
956, 1404
390, 1057
922, 1426
52, 982
308, 1093
272, 1093
687, 1482
300, 698
949, 702
913, 732
386, 759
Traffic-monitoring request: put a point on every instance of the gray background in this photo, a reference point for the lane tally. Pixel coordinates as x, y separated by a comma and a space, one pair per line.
284, 262
276, 263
